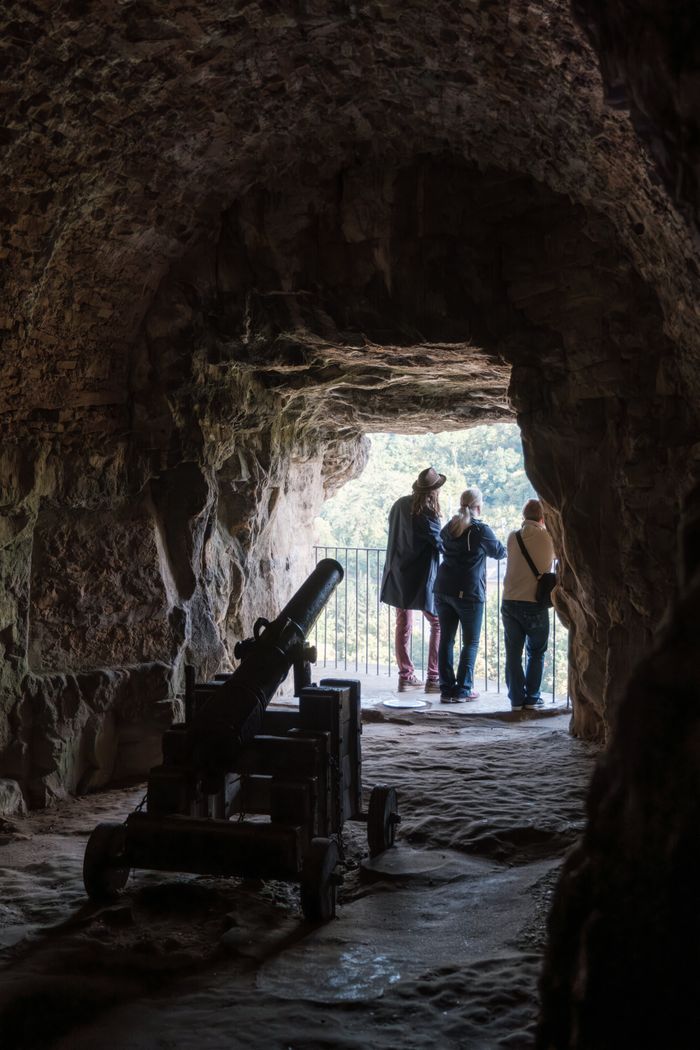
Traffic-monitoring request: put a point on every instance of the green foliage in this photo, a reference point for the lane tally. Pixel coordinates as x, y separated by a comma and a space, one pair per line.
488, 456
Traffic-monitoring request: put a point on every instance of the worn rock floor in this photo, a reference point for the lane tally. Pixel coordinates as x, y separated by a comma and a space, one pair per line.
441, 948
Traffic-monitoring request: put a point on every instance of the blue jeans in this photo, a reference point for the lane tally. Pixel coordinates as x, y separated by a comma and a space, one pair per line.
524, 622
452, 612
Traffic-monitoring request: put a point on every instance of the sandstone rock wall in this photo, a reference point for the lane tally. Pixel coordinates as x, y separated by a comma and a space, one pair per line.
104, 602
237, 238
623, 953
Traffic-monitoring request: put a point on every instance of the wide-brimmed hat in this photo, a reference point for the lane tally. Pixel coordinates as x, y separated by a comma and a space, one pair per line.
428, 479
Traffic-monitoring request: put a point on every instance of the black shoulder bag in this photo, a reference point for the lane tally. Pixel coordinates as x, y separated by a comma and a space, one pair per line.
546, 581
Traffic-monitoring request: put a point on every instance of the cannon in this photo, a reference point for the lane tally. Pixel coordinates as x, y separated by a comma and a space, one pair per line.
289, 776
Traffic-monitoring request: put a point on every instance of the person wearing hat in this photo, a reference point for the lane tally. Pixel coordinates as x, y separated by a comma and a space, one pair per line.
412, 560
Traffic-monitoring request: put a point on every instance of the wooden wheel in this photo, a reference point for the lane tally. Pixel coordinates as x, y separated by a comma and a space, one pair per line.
318, 881
382, 818
104, 871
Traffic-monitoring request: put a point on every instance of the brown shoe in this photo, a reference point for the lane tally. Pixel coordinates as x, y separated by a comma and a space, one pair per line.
432, 685
410, 685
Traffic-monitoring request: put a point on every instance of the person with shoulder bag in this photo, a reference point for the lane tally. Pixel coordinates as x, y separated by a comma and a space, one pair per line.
525, 607
460, 593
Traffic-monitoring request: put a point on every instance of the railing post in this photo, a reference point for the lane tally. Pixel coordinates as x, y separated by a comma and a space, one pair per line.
357, 576
345, 618
335, 648
498, 626
568, 671
366, 610
554, 656
486, 631
389, 646
325, 623
316, 549
378, 628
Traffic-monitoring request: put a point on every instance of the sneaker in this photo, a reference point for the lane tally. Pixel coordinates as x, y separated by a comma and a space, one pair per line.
465, 694
533, 705
516, 707
448, 698
409, 684
432, 685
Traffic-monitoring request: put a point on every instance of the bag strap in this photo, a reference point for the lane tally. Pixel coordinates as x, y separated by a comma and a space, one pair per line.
526, 556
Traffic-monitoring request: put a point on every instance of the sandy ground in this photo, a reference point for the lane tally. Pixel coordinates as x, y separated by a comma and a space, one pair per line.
439, 946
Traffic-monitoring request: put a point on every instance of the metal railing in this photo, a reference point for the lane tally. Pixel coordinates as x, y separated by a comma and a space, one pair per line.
356, 631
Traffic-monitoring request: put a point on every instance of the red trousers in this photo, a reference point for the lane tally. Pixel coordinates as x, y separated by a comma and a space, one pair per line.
404, 624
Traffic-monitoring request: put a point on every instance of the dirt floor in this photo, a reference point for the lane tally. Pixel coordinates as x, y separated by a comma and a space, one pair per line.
437, 944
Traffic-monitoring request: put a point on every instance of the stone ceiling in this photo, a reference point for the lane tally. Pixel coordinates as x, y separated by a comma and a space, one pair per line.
130, 129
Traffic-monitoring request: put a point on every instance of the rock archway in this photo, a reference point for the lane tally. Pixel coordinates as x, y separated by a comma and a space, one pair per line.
237, 240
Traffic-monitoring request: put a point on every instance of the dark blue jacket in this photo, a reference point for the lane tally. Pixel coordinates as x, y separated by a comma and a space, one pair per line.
463, 570
412, 558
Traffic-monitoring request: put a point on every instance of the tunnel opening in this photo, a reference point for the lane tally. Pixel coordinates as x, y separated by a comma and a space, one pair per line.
356, 632
379, 271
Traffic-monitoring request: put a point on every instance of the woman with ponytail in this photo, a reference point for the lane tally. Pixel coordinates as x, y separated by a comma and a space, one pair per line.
460, 593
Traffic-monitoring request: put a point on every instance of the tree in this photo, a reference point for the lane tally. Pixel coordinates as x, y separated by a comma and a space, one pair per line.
487, 456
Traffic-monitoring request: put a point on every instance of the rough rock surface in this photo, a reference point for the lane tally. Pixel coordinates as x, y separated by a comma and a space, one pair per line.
236, 238
624, 936
648, 55
623, 955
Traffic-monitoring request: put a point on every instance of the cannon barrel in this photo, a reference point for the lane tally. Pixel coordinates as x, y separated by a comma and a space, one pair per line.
305, 607
234, 714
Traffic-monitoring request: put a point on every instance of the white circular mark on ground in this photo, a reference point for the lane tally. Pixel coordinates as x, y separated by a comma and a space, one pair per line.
409, 702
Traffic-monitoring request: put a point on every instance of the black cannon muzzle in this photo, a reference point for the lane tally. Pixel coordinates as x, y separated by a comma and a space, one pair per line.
234, 715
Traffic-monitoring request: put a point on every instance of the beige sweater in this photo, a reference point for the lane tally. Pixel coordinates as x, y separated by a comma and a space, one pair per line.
519, 583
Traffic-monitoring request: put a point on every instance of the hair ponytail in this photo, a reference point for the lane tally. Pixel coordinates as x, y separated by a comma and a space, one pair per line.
462, 520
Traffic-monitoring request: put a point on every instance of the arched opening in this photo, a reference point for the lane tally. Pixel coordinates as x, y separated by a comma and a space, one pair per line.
356, 632
413, 292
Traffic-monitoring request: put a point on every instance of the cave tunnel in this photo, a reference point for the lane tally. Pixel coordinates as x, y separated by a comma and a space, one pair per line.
235, 240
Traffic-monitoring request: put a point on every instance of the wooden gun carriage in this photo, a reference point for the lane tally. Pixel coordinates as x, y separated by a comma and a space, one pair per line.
290, 777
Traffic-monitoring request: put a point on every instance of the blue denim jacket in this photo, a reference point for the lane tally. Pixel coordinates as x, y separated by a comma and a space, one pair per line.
463, 570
